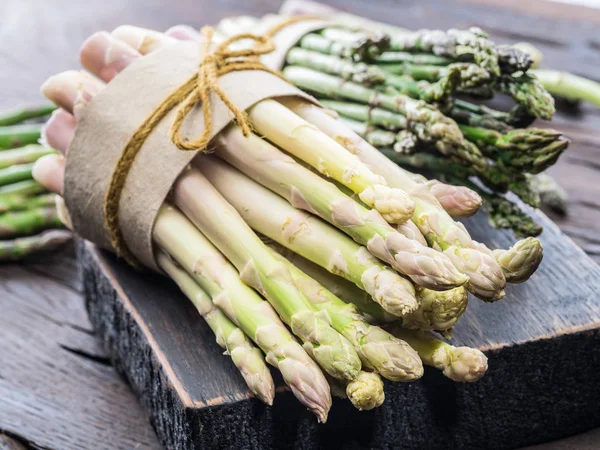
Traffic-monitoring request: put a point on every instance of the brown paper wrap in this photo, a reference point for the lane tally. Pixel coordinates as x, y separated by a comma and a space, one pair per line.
286, 38
113, 116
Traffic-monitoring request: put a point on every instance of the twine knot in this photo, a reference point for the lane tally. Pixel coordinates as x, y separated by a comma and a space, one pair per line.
218, 62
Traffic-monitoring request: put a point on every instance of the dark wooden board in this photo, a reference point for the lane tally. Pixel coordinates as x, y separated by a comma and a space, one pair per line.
542, 341
51, 397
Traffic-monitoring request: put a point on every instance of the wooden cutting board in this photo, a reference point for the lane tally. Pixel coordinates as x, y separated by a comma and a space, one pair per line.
542, 340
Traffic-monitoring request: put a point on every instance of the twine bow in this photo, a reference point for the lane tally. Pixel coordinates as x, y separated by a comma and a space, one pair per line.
219, 62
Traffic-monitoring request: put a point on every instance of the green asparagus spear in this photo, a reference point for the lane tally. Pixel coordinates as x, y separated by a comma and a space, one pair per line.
358, 72
437, 310
427, 59
528, 92
19, 248
358, 51
517, 140
470, 45
20, 223
512, 59
23, 155
18, 202
16, 173
22, 188
465, 75
19, 135
17, 115
449, 140
567, 85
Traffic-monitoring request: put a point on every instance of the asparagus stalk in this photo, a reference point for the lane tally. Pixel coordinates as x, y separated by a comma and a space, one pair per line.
470, 45
24, 155
441, 129
23, 188
255, 317
517, 140
16, 173
340, 287
19, 248
363, 49
474, 117
18, 115
308, 143
502, 213
309, 236
306, 190
19, 135
528, 92
391, 358
486, 278
513, 59
30, 221
398, 57
220, 222
463, 75
437, 310
402, 142
358, 72
247, 358
521, 260
17, 202
461, 364
457, 201
375, 41
567, 85
483, 116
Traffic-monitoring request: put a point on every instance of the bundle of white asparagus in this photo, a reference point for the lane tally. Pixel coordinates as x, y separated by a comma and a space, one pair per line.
318, 256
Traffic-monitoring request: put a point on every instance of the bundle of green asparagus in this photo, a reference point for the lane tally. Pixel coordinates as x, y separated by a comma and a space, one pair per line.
416, 96
317, 255
28, 218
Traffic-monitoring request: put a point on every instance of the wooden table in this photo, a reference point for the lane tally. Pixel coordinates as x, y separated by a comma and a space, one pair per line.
57, 389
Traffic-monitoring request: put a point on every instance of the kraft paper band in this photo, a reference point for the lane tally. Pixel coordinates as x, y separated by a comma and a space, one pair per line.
113, 116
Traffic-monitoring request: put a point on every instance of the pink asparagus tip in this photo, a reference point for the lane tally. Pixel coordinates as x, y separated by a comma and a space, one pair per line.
105, 55
49, 171
59, 130
183, 33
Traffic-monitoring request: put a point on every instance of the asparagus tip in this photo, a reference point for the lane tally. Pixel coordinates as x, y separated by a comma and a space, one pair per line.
366, 391
467, 365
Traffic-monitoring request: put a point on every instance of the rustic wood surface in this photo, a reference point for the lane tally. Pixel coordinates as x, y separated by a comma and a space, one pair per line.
57, 389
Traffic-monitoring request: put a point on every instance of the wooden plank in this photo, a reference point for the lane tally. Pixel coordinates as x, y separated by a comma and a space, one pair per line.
542, 341
57, 388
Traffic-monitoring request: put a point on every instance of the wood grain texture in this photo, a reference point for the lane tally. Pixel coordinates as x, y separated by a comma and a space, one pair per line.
57, 389
96, 410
